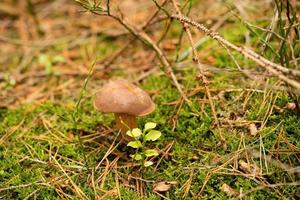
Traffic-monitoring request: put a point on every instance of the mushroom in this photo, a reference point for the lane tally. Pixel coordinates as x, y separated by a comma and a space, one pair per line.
126, 101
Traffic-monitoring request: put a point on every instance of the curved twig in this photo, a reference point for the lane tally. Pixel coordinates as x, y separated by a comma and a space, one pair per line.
271, 67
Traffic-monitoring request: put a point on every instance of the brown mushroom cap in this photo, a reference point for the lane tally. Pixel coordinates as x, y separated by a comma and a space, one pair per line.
121, 96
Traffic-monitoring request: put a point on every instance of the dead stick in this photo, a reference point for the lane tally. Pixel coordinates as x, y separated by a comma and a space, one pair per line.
125, 47
273, 68
201, 70
144, 38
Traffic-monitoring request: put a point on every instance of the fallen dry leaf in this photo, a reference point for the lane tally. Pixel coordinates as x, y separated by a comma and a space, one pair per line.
163, 186
253, 129
169, 45
249, 168
290, 106
228, 190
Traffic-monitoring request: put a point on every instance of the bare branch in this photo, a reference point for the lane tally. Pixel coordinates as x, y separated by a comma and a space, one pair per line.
275, 69
143, 37
201, 76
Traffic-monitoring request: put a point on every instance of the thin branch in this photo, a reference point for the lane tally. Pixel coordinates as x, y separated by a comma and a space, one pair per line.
108, 7
147, 24
161, 7
271, 67
143, 37
202, 76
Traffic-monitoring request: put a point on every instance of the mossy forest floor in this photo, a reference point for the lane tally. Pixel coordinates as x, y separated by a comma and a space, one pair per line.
54, 145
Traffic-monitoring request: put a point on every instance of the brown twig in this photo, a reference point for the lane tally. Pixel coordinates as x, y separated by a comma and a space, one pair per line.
275, 69
113, 57
144, 38
202, 76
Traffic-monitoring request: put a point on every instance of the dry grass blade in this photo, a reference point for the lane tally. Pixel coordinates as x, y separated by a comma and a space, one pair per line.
78, 191
23, 186
188, 184
109, 151
241, 196
9, 133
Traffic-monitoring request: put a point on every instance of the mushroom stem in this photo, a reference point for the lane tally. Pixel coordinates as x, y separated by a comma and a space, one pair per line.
125, 122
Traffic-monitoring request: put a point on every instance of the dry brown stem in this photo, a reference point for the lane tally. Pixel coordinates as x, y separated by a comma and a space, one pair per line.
275, 69
147, 24
144, 38
202, 76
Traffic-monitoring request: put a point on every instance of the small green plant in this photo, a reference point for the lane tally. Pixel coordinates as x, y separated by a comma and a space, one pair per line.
48, 62
9, 81
140, 143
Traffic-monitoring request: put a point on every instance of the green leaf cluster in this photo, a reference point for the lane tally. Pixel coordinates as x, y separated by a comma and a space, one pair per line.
141, 138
